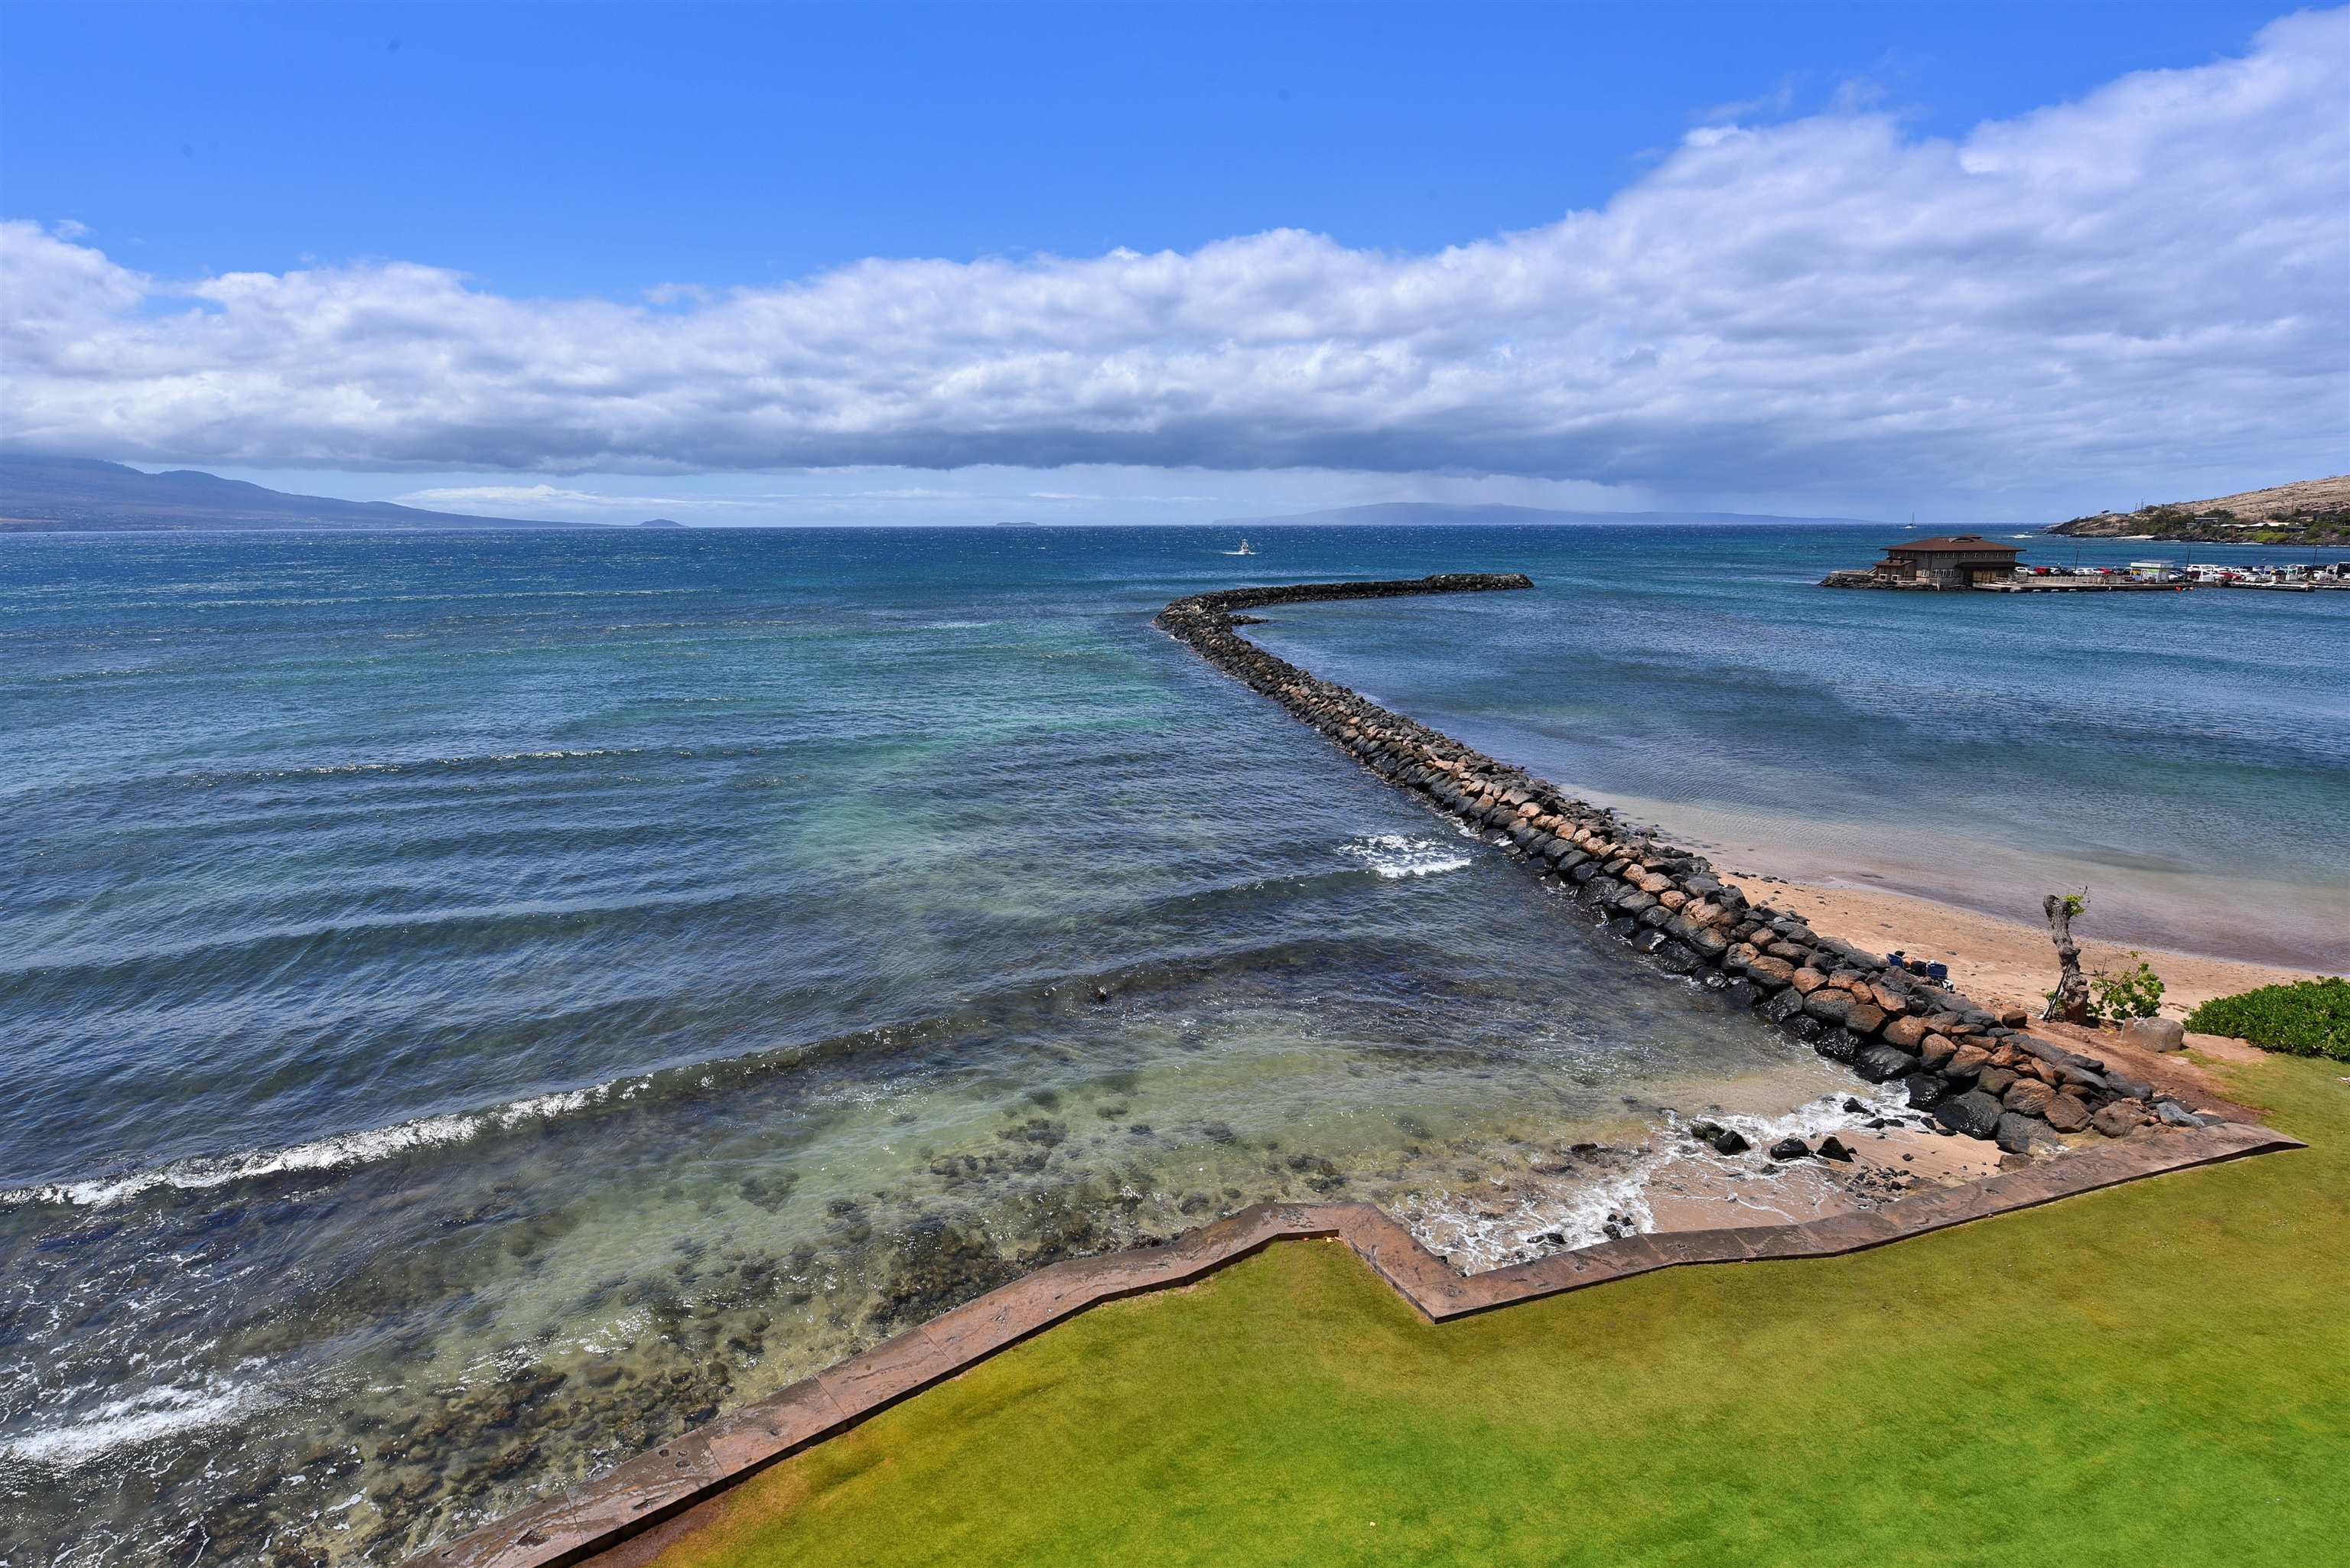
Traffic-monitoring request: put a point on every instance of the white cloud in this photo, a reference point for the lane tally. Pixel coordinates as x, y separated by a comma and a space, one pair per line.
1772, 105
2146, 283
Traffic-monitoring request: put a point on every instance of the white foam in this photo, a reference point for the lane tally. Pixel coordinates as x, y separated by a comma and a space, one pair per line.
1475, 1239
1392, 855
123, 1422
322, 1154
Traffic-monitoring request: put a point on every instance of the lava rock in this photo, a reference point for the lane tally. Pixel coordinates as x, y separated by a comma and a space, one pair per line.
2022, 1133
1828, 1006
2028, 1096
2121, 1118
1835, 1044
1906, 1032
1833, 1147
1881, 1064
1863, 1018
1966, 1062
1974, 1114
1925, 1090
1790, 1148
2067, 1114
1731, 1141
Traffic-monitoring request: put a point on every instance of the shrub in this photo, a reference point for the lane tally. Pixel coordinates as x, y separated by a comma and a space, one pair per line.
2133, 993
2306, 1018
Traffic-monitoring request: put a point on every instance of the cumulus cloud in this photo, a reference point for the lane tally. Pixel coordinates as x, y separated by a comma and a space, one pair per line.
2150, 278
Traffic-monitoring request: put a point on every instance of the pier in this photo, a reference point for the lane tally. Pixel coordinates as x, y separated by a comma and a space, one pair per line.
2099, 584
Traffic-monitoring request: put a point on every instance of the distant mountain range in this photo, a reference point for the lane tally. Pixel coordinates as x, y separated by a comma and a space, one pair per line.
1421, 514
80, 493
77, 493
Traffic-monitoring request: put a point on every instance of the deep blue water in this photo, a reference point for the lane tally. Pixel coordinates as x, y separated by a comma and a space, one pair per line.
498, 997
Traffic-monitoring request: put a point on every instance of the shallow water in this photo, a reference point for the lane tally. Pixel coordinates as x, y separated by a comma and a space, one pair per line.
477, 1004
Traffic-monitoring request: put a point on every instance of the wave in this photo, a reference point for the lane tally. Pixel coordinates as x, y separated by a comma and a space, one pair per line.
1015, 1004
1392, 855
123, 1423
1618, 1204
463, 760
332, 1153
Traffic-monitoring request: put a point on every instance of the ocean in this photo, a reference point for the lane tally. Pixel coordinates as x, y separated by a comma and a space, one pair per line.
475, 1005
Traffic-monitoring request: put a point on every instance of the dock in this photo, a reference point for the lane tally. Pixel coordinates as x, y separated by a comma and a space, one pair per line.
1970, 563
2077, 585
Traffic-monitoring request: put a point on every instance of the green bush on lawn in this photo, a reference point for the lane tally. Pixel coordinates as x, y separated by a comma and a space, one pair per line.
2306, 1018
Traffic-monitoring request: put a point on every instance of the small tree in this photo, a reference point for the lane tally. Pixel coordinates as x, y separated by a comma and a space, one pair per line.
2069, 1000
2133, 993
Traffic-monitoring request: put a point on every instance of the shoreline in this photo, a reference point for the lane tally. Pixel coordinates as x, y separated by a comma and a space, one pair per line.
2009, 962
2196, 921
1975, 1112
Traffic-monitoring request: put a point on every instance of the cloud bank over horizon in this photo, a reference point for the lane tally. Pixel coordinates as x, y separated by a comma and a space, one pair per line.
2151, 281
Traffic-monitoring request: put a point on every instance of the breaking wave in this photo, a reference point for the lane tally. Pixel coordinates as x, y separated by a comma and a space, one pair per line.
140, 1418
320, 1154
1392, 855
1598, 1206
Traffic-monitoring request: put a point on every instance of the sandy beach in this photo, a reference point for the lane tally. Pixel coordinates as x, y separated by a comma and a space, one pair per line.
2005, 963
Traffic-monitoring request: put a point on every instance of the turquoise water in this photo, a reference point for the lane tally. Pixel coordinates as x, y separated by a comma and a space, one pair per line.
477, 1003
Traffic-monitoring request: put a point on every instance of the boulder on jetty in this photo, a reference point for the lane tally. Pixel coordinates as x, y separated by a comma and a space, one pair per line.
1978, 1070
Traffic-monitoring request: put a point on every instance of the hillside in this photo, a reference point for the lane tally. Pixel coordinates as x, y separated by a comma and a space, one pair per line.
73, 492
2308, 512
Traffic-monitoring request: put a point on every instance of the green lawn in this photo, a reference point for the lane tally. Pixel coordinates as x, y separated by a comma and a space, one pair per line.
2157, 1375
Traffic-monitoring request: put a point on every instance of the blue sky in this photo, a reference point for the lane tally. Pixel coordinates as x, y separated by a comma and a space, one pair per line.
600, 149
482, 178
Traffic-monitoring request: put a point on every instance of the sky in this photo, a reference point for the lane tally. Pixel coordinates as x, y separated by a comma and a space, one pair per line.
1169, 264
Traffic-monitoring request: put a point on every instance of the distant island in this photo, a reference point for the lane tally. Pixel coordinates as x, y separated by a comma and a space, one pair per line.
82, 494
661, 523
2309, 512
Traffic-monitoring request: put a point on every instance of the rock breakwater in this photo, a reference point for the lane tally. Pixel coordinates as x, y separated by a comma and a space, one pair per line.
1974, 1072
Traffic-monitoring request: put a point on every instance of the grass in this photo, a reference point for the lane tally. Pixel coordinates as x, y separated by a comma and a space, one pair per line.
2158, 1374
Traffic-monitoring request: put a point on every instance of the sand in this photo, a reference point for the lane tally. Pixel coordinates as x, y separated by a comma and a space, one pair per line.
2002, 964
